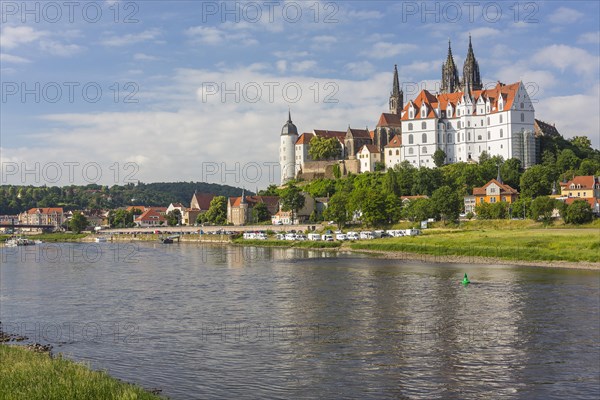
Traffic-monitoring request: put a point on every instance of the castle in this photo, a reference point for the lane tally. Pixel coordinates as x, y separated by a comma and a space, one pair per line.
464, 119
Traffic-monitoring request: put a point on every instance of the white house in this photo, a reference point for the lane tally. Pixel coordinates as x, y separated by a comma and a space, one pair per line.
392, 152
368, 155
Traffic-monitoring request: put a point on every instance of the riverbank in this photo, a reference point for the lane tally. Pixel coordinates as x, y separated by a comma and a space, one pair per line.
30, 374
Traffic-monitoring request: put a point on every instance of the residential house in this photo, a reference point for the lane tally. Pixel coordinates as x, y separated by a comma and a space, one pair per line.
153, 216
492, 192
368, 155
54, 216
582, 188
239, 209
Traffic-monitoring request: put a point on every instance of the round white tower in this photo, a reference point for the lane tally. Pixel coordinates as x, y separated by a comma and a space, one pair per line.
287, 150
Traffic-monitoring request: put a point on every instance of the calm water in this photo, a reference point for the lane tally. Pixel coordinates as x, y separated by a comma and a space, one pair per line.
227, 322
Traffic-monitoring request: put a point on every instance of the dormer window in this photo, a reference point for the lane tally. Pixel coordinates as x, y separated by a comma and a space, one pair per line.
449, 112
423, 112
411, 113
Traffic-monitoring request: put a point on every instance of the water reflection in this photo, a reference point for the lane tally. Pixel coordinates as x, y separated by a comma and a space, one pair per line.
214, 321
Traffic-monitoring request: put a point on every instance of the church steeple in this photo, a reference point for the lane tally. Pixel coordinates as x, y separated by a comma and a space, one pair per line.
397, 95
471, 77
450, 81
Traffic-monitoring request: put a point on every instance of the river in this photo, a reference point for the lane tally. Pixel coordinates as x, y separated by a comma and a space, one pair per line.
215, 322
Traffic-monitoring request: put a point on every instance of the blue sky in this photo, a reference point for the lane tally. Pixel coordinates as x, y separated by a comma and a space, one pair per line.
161, 67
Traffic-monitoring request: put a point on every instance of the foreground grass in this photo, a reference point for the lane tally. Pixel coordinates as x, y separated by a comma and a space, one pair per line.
28, 375
288, 243
574, 245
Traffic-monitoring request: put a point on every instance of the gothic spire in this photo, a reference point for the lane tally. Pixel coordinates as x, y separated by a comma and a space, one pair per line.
397, 96
471, 76
450, 81
289, 115
243, 201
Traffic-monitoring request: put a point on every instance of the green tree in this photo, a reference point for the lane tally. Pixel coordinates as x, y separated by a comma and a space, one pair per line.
271, 190
379, 166
337, 209
78, 222
511, 172
583, 142
567, 160
542, 208
292, 199
536, 181
260, 213
324, 148
447, 203
439, 157
217, 211
418, 210
578, 212
393, 208
173, 217
390, 183
374, 208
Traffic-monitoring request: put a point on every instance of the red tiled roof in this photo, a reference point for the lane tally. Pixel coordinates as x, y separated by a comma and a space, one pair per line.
305, 138
203, 200
270, 201
359, 133
395, 142
585, 182
387, 119
504, 188
328, 134
45, 210
592, 201
151, 214
370, 147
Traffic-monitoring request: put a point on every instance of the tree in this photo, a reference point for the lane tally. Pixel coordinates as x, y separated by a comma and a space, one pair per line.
511, 172
578, 212
324, 148
217, 211
390, 183
393, 208
260, 213
583, 142
173, 217
337, 209
566, 160
418, 210
447, 203
374, 208
78, 222
542, 208
439, 157
536, 181
271, 190
292, 200
379, 166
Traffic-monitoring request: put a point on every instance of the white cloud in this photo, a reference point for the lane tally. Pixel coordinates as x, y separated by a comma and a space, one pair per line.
566, 57
13, 36
290, 54
303, 65
8, 58
589, 38
386, 50
131, 38
281, 65
211, 35
575, 115
59, 49
564, 15
360, 68
323, 42
143, 57
364, 14
480, 33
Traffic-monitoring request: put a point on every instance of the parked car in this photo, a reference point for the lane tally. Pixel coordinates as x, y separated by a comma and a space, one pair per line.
366, 235
314, 237
280, 236
327, 238
290, 236
300, 237
341, 236
352, 236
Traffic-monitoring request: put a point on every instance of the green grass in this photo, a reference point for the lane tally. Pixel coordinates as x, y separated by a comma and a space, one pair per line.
28, 375
58, 237
575, 245
288, 243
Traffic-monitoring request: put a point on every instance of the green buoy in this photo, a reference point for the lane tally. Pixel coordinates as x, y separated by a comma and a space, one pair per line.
466, 280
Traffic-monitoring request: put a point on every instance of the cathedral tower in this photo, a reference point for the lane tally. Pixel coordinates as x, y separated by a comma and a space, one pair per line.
450, 81
397, 95
287, 153
471, 78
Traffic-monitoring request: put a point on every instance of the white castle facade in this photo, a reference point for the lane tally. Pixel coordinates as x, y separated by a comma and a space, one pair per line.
463, 120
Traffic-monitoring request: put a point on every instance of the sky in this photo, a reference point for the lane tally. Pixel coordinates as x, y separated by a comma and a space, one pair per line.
112, 92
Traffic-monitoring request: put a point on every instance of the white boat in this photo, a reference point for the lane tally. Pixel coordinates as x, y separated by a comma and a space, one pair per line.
19, 241
100, 239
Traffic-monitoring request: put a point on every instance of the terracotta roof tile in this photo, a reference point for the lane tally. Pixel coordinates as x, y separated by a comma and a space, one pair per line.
395, 142
389, 120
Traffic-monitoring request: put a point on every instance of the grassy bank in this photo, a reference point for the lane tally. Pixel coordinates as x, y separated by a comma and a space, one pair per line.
573, 245
59, 237
28, 375
288, 243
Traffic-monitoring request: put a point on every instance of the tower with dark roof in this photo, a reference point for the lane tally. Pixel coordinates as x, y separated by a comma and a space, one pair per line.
287, 153
397, 95
471, 77
450, 81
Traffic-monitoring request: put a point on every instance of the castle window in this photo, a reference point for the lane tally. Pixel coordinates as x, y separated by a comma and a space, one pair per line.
469, 124
469, 111
390, 152
479, 137
522, 117
397, 152
423, 125
457, 137
469, 136
411, 114
424, 150
500, 118
423, 112
522, 106
410, 126
424, 138
489, 135
439, 138
488, 119
449, 113
448, 125
410, 150
458, 113
458, 124
481, 122
501, 133
411, 139
449, 137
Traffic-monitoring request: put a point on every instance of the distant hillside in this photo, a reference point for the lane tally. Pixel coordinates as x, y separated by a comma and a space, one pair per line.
15, 199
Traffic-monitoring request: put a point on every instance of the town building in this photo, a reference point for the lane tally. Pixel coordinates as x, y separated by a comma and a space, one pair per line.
494, 191
582, 188
239, 209
54, 216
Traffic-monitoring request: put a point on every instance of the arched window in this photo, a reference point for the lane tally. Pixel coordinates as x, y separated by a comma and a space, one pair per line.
489, 135
397, 152
423, 125
457, 137
410, 139
390, 152
488, 119
410, 150
522, 117
469, 136
522, 106
424, 138
439, 138
500, 118
458, 124
448, 125
449, 138
424, 150
479, 137
410, 126
423, 112
469, 124
501, 133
